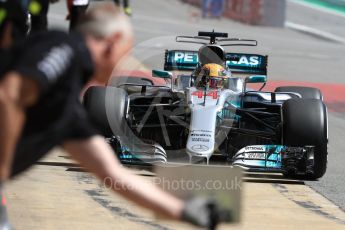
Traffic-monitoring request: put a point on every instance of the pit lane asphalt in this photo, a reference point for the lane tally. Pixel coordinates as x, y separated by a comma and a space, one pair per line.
293, 57
316, 16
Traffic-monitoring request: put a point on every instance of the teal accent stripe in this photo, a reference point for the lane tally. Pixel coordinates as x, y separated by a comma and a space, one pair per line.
327, 5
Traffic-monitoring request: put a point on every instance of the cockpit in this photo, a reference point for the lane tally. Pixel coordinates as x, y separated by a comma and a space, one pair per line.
212, 71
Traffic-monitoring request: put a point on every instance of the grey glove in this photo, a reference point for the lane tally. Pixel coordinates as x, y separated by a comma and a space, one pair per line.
203, 212
4, 224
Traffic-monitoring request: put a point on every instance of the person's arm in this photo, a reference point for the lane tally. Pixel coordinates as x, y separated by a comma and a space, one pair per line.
16, 93
29, 77
97, 157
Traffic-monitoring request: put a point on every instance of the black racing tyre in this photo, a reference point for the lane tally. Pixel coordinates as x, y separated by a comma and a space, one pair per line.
305, 92
107, 108
305, 124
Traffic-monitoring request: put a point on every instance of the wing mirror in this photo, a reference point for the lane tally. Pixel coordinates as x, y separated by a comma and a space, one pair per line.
256, 79
162, 74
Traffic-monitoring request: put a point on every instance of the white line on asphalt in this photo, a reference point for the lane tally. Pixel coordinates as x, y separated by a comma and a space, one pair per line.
319, 8
310, 30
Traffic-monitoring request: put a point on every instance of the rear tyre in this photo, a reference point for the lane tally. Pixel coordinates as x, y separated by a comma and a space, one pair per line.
107, 108
305, 123
305, 92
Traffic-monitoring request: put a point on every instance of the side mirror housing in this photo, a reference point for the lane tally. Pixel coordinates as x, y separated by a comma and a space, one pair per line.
256, 79
162, 74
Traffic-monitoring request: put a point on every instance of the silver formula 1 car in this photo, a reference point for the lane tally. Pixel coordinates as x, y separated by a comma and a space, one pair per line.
209, 113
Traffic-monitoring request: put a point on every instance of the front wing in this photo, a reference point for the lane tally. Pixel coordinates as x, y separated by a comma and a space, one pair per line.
276, 158
259, 158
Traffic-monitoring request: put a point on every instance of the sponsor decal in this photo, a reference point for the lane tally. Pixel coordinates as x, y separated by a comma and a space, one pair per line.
255, 148
192, 57
186, 57
261, 156
201, 131
200, 139
246, 61
200, 148
56, 61
200, 135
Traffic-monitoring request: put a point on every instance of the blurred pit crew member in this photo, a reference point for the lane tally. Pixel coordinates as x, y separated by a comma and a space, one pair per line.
13, 24
215, 7
76, 9
39, 19
206, 8
126, 8
37, 13
13, 27
40, 109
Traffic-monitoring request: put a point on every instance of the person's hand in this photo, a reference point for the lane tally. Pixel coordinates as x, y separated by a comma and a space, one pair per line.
204, 212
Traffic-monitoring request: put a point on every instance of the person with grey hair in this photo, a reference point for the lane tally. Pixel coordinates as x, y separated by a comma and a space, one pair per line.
40, 109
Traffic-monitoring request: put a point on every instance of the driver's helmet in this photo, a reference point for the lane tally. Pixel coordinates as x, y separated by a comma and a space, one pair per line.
218, 76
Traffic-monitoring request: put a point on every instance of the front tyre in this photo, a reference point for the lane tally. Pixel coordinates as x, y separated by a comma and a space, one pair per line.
107, 108
305, 124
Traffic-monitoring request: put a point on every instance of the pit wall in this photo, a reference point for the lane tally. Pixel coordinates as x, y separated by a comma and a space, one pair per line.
254, 12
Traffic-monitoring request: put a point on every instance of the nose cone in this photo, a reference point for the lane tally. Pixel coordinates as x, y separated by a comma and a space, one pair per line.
200, 149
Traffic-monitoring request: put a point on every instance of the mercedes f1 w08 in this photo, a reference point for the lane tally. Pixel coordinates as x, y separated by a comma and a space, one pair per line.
208, 111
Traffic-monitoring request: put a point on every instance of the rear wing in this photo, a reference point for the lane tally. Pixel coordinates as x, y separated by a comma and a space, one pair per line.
188, 60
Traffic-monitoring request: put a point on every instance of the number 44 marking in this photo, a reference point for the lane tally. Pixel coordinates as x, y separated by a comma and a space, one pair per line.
200, 94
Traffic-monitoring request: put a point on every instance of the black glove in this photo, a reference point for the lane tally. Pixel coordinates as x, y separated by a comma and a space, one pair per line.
204, 212
4, 224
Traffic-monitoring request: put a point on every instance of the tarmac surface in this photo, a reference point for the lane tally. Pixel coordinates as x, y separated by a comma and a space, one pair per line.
57, 194
317, 16
49, 197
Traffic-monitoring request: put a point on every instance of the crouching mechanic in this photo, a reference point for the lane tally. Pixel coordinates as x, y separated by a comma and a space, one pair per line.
40, 109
